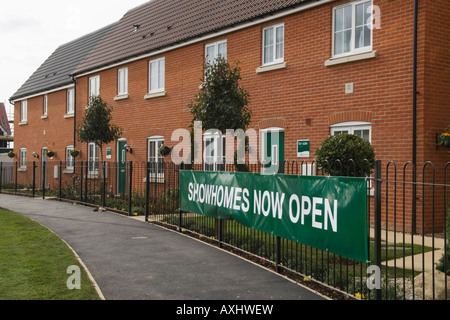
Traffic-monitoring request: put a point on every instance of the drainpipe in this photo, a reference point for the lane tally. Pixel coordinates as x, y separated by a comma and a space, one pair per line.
74, 111
414, 129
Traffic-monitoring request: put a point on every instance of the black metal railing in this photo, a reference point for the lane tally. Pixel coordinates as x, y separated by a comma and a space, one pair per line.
407, 216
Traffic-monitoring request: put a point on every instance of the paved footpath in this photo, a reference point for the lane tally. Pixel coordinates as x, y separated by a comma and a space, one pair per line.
134, 260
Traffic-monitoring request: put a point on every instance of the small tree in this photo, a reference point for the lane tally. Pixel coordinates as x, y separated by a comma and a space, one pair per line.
222, 104
346, 155
96, 126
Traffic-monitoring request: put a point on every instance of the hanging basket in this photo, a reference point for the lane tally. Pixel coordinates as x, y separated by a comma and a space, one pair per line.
11, 154
164, 150
51, 154
74, 153
444, 138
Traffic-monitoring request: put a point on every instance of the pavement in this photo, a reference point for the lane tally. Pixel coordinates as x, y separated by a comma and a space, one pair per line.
129, 259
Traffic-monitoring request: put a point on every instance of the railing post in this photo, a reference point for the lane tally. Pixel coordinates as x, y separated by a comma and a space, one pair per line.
147, 190
103, 184
377, 223
180, 220
1, 176
33, 190
44, 177
220, 232
278, 254
60, 180
86, 180
15, 178
130, 186
81, 181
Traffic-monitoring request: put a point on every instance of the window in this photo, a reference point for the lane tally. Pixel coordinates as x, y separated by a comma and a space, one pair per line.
23, 158
157, 75
23, 111
122, 85
156, 160
361, 129
70, 161
273, 44
94, 86
214, 152
352, 28
215, 50
70, 101
93, 151
45, 106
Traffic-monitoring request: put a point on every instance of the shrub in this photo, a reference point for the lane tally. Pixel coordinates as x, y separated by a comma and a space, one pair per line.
346, 155
444, 266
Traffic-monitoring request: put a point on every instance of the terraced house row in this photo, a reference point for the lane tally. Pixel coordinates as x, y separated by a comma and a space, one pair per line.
375, 68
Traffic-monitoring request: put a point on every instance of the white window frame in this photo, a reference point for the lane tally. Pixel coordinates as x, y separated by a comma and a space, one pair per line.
351, 127
353, 50
155, 64
216, 45
153, 144
93, 158
94, 86
122, 81
70, 101
23, 158
214, 156
23, 111
263, 146
274, 29
70, 161
45, 106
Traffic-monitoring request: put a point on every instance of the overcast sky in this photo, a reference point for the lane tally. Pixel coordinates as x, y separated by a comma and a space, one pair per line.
31, 30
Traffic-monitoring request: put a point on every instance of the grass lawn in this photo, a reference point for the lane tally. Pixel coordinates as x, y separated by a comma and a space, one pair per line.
34, 262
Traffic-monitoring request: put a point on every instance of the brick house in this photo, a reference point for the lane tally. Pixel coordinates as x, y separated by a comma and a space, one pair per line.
44, 107
312, 68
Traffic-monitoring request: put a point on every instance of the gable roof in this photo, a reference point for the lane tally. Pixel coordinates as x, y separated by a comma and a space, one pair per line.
4, 123
56, 71
162, 23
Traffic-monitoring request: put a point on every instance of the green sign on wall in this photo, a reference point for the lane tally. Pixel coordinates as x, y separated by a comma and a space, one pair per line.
328, 213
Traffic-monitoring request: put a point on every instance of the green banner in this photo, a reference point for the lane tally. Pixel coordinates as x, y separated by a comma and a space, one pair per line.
328, 213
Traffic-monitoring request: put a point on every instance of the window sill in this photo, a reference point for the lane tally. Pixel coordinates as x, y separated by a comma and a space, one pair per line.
22, 123
69, 115
22, 169
270, 67
121, 97
351, 58
44, 116
155, 95
67, 171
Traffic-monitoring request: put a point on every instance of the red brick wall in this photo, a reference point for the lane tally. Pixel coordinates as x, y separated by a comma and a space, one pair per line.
306, 96
54, 132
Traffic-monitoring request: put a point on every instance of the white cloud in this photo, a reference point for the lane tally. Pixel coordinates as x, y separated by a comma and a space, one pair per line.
31, 30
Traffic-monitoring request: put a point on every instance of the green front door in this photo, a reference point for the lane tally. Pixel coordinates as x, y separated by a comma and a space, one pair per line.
122, 166
274, 151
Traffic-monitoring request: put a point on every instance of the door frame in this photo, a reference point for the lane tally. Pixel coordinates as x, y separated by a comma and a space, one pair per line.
262, 147
44, 158
119, 153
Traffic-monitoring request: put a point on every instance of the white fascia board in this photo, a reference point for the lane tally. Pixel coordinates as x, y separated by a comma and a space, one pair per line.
43, 93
